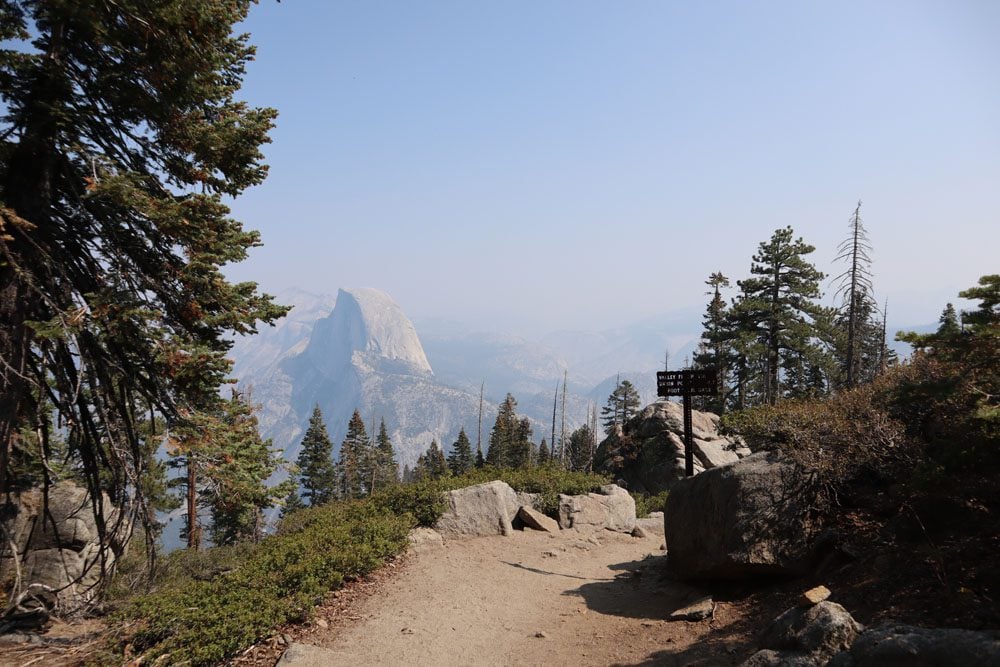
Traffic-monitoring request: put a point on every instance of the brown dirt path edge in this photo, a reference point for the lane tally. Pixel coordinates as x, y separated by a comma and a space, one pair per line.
530, 599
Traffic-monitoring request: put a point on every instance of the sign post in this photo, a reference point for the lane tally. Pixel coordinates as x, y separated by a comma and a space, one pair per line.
687, 384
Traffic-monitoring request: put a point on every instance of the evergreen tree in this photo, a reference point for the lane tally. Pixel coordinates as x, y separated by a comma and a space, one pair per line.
520, 452
461, 461
543, 453
580, 449
236, 491
436, 462
316, 470
777, 305
120, 141
386, 468
949, 322
504, 434
292, 503
715, 349
351, 464
480, 461
623, 404
420, 471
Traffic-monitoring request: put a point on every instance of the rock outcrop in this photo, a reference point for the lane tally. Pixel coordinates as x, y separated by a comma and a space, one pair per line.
752, 517
826, 634
891, 645
58, 549
613, 508
648, 454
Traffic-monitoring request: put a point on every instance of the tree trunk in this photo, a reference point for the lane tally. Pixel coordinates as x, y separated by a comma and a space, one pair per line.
193, 527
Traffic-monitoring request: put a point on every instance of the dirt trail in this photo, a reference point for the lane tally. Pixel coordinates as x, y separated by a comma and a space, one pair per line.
529, 599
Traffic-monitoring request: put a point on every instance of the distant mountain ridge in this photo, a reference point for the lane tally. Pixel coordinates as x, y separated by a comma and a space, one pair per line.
358, 350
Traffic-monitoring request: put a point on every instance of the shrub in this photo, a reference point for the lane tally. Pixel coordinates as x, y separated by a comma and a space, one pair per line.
207, 606
646, 503
841, 437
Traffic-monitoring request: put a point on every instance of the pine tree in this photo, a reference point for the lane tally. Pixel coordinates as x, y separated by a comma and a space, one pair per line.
543, 453
949, 322
293, 503
715, 349
580, 453
351, 464
623, 404
316, 470
520, 452
236, 491
434, 463
120, 143
504, 434
777, 304
461, 461
386, 468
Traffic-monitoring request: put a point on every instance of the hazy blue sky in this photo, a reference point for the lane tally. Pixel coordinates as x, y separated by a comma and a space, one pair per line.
526, 166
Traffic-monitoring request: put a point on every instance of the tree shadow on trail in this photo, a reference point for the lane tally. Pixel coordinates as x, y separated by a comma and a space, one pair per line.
644, 590
550, 573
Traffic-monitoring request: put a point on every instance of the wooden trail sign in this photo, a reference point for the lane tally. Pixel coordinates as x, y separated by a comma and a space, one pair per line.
687, 384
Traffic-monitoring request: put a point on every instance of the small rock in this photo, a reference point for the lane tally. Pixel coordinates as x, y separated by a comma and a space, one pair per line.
422, 539
321, 622
639, 532
536, 520
549, 554
287, 638
695, 611
814, 596
541, 634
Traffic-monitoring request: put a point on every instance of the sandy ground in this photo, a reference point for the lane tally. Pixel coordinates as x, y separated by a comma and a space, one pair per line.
529, 599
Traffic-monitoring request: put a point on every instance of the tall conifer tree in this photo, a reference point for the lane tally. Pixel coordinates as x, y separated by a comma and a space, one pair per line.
623, 404
504, 434
316, 470
461, 460
386, 468
778, 304
351, 464
715, 349
120, 141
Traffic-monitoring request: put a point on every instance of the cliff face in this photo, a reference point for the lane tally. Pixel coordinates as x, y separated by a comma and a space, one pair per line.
363, 355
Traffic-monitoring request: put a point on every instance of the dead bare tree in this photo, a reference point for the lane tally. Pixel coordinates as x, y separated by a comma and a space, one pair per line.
855, 288
562, 430
479, 437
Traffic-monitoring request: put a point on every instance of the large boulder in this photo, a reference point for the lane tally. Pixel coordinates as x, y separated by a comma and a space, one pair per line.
909, 646
57, 547
752, 517
613, 508
483, 509
648, 454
